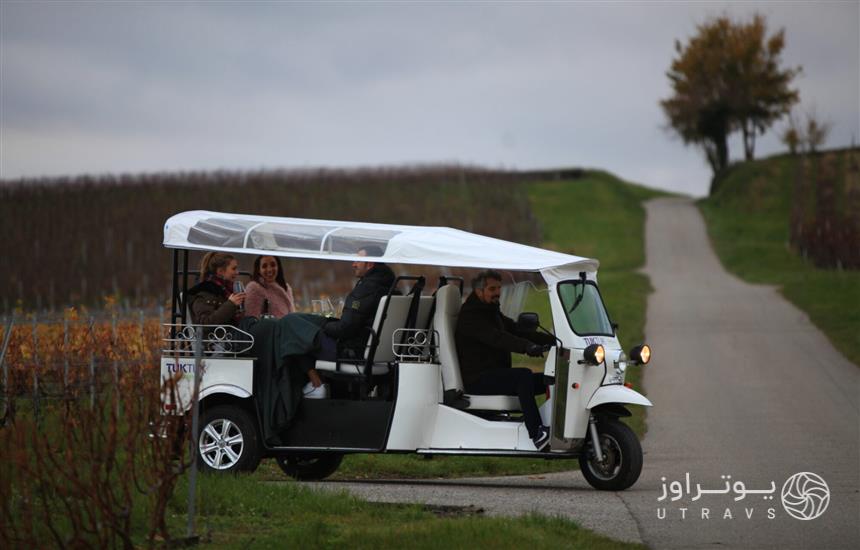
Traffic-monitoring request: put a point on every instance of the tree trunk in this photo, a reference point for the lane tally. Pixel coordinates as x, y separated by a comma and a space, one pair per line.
748, 129
717, 152
721, 145
751, 151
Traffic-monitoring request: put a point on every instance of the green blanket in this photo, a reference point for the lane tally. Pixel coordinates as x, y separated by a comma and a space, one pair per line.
277, 385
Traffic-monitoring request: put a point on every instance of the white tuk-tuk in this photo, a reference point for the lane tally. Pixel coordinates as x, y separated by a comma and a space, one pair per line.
393, 400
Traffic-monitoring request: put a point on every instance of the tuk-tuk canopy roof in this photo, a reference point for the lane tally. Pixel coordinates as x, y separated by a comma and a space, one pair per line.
338, 240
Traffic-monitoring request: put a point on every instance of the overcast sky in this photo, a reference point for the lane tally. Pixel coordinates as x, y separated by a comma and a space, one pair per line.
128, 87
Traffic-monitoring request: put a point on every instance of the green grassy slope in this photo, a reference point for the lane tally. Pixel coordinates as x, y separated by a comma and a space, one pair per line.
748, 222
602, 217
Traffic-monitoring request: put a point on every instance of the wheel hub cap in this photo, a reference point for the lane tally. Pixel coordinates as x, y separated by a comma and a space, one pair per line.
221, 444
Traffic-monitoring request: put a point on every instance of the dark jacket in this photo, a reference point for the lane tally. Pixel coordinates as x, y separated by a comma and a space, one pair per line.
486, 338
209, 306
352, 329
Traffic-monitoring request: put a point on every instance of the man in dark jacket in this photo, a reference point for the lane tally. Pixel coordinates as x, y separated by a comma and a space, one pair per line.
347, 337
485, 340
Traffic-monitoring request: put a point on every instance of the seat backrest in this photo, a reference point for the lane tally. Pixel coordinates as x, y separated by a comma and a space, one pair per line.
423, 322
424, 308
445, 323
398, 311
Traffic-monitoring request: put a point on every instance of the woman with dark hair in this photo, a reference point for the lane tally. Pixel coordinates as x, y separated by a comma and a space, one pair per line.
212, 300
268, 293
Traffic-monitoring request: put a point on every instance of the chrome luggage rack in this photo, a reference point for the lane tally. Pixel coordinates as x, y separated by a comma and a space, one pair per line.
415, 345
216, 340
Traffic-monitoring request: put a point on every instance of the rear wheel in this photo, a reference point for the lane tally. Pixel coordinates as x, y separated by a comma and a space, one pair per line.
622, 457
228, 440
309, 467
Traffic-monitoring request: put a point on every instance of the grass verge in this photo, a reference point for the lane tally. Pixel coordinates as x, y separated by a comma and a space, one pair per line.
243, 512
748, 223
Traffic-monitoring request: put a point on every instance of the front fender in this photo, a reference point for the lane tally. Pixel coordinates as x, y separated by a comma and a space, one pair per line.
617, 394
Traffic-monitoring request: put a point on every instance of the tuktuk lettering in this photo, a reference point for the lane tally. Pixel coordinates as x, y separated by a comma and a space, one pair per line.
184, 368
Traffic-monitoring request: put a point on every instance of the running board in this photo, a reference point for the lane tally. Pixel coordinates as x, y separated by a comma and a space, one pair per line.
499, 452
344, 450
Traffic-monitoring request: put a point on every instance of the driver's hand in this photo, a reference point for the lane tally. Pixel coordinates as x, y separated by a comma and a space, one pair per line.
535, 350
238, 298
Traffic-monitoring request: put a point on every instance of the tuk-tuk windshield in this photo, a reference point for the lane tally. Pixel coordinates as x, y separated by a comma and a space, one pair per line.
584, 308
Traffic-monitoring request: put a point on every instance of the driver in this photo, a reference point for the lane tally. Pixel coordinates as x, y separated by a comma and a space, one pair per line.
485, 340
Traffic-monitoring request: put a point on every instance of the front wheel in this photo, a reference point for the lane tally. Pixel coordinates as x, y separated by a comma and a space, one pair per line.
309, 467
622, 457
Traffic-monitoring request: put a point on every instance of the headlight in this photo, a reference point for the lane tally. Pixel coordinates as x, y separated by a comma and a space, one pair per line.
594, 354
641, 354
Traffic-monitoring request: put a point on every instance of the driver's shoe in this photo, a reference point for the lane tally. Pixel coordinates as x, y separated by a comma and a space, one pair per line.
541, 440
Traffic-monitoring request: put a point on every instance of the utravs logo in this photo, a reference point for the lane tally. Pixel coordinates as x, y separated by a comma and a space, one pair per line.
804, 496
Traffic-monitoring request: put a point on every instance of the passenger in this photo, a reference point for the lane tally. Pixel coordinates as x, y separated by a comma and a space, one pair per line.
485, 340
212, 300
347, 337
268, 293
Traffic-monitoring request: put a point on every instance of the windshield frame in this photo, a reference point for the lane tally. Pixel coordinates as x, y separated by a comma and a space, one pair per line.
602, 303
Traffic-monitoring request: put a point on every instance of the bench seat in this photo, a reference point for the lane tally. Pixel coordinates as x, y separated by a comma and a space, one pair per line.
445, 322
395, 318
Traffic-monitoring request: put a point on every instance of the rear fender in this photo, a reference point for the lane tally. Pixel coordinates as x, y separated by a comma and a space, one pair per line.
220, 390
229, 389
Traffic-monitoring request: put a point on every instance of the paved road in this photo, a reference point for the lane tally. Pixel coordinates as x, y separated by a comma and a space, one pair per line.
743, 386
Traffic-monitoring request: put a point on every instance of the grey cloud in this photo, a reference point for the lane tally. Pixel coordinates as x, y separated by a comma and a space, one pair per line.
205, 85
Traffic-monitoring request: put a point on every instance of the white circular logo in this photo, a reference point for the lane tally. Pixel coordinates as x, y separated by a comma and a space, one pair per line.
805, 496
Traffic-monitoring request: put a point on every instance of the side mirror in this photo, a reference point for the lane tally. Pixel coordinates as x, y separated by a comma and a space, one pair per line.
528, 322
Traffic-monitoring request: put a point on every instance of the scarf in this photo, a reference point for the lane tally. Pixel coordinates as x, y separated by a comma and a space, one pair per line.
225, 287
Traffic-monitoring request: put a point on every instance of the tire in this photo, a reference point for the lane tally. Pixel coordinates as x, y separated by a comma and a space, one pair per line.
622, 457
309, 467
228, 440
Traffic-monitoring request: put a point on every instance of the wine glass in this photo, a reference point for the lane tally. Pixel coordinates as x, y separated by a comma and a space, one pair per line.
238, 287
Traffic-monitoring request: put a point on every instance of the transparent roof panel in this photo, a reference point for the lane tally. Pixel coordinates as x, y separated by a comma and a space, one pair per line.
349, 240
221, 232
288, 236
296, 237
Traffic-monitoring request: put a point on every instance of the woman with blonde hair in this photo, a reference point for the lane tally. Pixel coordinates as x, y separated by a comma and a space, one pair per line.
212, 300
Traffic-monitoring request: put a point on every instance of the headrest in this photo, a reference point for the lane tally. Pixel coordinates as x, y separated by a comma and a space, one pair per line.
448, 300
